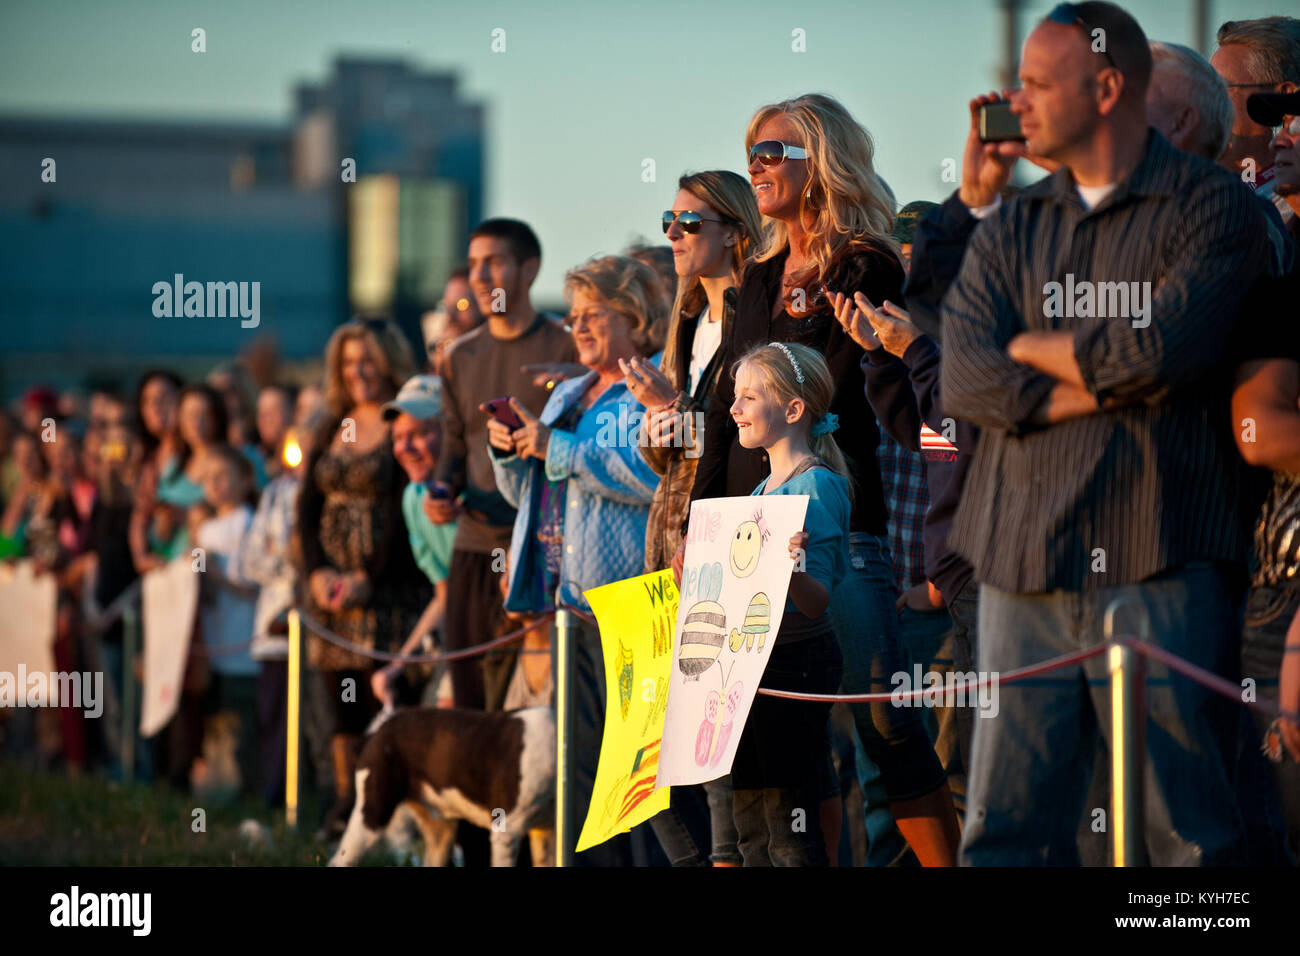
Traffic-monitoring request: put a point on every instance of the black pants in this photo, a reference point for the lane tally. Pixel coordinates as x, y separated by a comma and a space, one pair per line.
272, 726
474, 616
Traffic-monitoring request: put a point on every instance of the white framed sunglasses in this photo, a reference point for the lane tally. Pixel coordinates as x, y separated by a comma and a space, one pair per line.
773, 152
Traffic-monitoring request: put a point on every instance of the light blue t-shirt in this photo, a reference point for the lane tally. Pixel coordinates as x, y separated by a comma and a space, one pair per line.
826, 556
431, 543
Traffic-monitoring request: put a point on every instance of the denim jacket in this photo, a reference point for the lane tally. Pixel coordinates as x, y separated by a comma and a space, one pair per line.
607, 497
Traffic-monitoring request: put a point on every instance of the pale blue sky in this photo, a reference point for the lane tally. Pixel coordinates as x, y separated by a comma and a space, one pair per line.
584, 92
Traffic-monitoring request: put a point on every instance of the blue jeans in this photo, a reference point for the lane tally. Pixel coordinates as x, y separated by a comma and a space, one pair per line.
1031, 764
689, 825
113, 662
943, 641
865, 618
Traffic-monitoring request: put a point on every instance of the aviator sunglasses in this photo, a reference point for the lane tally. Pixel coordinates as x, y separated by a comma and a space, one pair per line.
773, 152
689, 221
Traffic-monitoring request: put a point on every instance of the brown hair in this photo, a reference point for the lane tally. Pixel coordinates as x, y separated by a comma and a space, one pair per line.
731, 195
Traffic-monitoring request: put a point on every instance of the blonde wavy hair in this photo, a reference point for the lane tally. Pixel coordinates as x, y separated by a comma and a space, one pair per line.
731, 195
631, 289
385, 344
850, 204
779, 380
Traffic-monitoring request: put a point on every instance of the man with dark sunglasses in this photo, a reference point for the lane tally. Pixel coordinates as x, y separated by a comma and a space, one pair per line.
1256, 56
1104, 468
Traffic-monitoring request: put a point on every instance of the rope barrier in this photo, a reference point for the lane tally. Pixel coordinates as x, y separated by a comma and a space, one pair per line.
1206, 678
1020, 673
325, 633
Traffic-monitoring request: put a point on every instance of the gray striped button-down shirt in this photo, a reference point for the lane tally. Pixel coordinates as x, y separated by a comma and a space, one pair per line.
1152, 479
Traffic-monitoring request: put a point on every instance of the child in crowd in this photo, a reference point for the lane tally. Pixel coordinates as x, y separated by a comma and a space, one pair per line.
227, 610
783, 396
265, 560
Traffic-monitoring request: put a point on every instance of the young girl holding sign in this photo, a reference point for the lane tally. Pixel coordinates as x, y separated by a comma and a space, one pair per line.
783, 396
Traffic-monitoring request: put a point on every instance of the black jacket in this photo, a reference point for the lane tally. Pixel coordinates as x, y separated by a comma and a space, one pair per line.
727, 469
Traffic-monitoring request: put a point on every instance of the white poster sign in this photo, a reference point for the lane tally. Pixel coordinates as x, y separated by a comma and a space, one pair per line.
169, 598
734, 583
27, 622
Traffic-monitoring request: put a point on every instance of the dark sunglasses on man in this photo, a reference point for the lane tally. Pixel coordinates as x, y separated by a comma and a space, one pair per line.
773, 152
1067, 14
689, 221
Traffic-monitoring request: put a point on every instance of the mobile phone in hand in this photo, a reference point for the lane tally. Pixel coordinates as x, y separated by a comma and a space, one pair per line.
499, 408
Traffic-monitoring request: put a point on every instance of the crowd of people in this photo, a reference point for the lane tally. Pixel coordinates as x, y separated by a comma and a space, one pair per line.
987, 469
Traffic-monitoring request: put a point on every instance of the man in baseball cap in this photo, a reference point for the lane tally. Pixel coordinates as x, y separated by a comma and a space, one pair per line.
417, 445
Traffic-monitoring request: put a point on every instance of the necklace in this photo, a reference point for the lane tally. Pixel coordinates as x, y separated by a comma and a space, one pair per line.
791, 473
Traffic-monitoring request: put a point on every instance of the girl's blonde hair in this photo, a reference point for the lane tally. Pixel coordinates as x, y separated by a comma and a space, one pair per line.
778, 367
731, 195
850, 204
631, 289
387, 347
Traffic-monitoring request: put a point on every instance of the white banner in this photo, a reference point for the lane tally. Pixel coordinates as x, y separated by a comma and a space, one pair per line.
169, 598
734, 584
28, 614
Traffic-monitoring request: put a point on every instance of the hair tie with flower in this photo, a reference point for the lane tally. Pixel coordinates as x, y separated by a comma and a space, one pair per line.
825, 425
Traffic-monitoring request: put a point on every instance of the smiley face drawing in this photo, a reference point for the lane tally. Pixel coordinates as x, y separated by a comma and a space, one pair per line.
746, 545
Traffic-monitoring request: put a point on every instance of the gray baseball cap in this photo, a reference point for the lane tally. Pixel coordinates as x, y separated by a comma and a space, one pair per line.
420, 397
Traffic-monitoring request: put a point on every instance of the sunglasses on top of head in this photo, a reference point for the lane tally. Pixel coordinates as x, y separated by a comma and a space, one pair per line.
1067, 14
773, 152
690, 222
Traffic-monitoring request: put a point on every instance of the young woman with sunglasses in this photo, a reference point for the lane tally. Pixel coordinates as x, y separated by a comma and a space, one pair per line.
827, 220
712, 227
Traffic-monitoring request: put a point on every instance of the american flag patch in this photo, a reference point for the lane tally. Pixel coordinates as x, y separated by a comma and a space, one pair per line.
935, 447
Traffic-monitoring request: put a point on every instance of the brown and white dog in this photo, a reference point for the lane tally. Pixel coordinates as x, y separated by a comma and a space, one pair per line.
496, 770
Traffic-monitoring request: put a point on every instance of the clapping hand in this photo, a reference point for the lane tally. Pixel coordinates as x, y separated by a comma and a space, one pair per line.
891, 323
648, 385
853, 321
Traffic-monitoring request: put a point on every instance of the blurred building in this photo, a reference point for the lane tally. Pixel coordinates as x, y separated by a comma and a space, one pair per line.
361, 202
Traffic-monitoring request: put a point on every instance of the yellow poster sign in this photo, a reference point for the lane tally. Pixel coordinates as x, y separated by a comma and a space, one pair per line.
636, 619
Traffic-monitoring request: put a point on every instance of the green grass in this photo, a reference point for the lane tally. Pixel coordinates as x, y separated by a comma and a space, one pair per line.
47, 819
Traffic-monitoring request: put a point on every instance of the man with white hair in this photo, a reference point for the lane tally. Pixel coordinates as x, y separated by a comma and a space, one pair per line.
1189, 103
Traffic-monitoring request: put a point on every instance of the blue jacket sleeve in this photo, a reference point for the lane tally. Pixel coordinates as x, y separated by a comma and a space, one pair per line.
611, 469
510, 472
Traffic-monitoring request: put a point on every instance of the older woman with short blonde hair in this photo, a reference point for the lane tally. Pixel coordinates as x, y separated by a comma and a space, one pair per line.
582, 489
